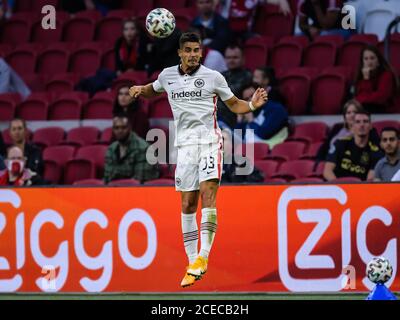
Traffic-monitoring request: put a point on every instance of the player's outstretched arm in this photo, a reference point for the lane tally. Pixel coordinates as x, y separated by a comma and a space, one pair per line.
236, 105
146, 91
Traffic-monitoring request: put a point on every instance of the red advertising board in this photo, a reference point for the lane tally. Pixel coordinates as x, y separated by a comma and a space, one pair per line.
269, 238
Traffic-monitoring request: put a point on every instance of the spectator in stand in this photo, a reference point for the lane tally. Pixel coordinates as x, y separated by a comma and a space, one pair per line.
354, 156
265, 121
6, 9
31, 152
344, 129
376, 83
214, 29
133, 109
265, 78
17, 174
386, 168
126, 157
237, 78
3, 149
325, 17
11, 81
131, 48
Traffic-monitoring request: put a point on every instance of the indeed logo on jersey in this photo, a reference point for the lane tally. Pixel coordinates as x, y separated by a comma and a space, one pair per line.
186, 94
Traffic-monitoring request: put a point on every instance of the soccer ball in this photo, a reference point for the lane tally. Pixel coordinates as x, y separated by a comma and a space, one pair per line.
379, 270
160, 23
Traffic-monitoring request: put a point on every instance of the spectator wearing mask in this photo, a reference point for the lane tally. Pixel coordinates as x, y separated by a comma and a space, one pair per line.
386, 168
126, 157
354, 156
31, 152
214, 29
131, 48
132, 108
376, 83
17, 174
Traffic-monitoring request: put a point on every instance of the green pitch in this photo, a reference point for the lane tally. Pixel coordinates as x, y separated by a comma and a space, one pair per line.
189, 296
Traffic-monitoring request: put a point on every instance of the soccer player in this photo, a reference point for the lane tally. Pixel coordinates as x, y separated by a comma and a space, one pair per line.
192, 93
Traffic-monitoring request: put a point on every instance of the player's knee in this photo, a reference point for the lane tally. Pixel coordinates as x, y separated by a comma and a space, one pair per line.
208, 198
189, 206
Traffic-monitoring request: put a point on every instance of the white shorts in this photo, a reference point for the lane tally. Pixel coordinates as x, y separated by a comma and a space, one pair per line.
198, 163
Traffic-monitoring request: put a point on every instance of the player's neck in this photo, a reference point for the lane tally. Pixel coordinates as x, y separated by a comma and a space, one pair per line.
187, 69
361, 141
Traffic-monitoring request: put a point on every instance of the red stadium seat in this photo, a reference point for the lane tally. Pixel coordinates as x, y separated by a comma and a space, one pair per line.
52, 61
121, 13
89, 183
49, 136
340, 70
307, 180
96, 154
82, 96
169, 4
84, 62
65, 109
349, 55
108, 59
286, 55
47, 36
93, 15
33, 108
379, 125
312, 151
98, 108
160, 182
320, 55
124, 183
303, 41
15, 31
78, 169
311, 131
255, 55
5, 49
109, 29
137, 6
323, 99
367, 38
59, 86
394, 53
183, 20
108, 95
309, 72
59, 154
22, 61
79, 30
295, 169
106, 136
160, 108
334, 39
261, 150
296, 89
82, 136
130, 78
63, 46
346, 179
37, 5
52, 172
273, 24
167, 171
8, 104
35, 82
291, 150
268, 167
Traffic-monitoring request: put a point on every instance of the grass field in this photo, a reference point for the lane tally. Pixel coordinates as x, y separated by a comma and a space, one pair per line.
188, 296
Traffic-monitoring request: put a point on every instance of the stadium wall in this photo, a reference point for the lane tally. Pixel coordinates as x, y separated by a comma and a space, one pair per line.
271, 238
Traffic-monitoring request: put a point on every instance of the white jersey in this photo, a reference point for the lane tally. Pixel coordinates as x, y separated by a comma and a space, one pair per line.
193, 100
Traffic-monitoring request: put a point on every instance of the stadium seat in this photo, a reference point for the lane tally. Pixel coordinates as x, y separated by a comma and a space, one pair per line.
22, 61
33, 108
108, 95
78, 169
96, 154
311, 131
124, 183
59, 154
15, 31
346, 179
183, 21
273, 23
5, 49
307, 180
52, 172
255, 55
303, 41
296, 89
286, 55
294, 169
59, 86
93, 15
334, 39
52, 62
89, 183
49, 136
121, 13
341, 71
85, 62
109, 29
82, 136
394, 53
291, 150
379, 125
130, 78
98, 108
37, 5
106, 136
108, 59
160, 182
312, 151
8, 104
65, 109
268, 167
167, 171
349, 55
35, 82
83, 96
319, 55
310, 72
137, 6
79, 30
370, 38
46, 36
160, 108
323, 99
63, 46
169, 4
261, 150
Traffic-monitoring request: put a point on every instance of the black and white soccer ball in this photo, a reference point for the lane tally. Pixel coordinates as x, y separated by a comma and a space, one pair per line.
160, 23
379, 270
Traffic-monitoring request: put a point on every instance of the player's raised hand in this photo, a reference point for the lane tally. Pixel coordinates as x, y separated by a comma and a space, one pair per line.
135, 91
259, 97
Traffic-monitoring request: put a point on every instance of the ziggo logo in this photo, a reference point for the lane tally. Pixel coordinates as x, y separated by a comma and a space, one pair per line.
323, 218
60, 260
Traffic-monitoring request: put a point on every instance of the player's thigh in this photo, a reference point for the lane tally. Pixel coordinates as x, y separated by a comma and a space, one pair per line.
208, 193
211, 158
189, 201
186, 173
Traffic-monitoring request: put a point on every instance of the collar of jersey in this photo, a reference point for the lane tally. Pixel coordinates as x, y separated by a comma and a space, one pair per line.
182, 73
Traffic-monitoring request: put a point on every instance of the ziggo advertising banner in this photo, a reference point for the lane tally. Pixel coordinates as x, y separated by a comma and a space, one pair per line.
269, 238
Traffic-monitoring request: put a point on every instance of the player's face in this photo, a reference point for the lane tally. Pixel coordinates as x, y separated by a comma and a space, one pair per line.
190, 54
362, 125
129, 32
370, 60
389, 142
121, 129
17, 131
124, 99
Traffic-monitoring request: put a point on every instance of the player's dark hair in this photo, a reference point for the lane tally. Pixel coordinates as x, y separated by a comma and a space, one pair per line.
18, 119
189, 37
391, 129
